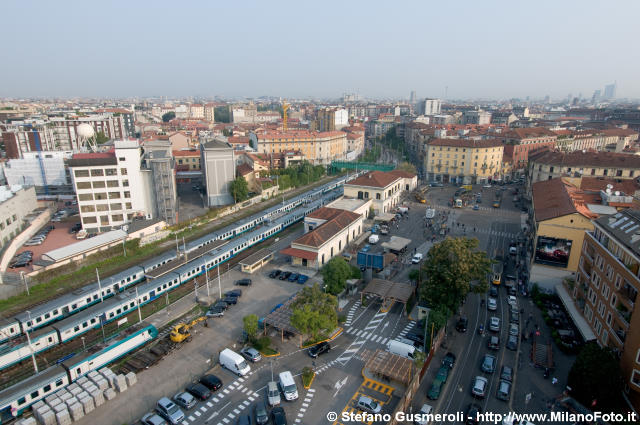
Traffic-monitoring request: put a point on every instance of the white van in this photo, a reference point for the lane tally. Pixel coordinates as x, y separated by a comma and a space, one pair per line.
373, 239
288, 386
234, 362
401, 348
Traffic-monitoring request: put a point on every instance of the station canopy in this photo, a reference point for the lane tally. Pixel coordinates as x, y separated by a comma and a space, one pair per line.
396, 243
388, 290
392, 366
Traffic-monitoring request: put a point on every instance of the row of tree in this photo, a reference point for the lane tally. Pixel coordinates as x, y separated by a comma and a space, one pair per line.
298, 175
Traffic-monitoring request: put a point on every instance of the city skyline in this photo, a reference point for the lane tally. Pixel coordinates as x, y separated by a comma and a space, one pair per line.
199, 49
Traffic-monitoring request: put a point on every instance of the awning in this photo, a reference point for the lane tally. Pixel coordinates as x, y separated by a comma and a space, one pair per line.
575, 314
384, 217
300, 253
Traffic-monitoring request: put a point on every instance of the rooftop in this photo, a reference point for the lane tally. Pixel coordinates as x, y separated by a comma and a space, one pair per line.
585, 159
323, 233
558, 197
378, 179
78, 248
625, 227
466, 143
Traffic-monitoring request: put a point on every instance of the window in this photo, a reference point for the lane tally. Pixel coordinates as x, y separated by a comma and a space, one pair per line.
85, 197
87, 208
635, 378
128, 205
83, 185
609, 318
100, 196
121, 158
619, 173
117, 217
125, 183
102, 207
104, 219
34, 394
97, 173
81, 173
123, 171
112, 183
598, 327
89, 220
605, 291
115, 207
127, 195
614, 300
114, 195
593, 171
609, 272
98, 185
111, 172
618, 281
377, 196
605, 337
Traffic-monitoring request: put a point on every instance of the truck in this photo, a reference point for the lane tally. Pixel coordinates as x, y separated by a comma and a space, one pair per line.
403, 210
233, 361
181, 332
431, 213
373, 239
402, 348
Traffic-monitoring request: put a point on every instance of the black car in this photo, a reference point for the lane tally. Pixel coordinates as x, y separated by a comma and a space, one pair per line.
278, 417
461, 326
244, 420
234, 293
449, 360
211, 381
415, 336
275, 273
472, 414
512, 291
243, 282
493, 291
319, 349
199, 391
19, 263
220, 304
230, 300
293, 277
260, 412
284, 275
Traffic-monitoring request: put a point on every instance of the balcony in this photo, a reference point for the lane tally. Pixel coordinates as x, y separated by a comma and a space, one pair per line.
629, 294
624, 315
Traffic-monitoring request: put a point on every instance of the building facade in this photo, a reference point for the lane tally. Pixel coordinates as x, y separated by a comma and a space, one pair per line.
218, 166
463, 161
47, 171
382, 188
316, 147
606, 290
431, 107
16, 202
520, 141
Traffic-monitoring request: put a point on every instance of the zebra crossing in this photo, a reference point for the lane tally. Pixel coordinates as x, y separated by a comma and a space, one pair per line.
406, 329
324, 367
305, 405
351, 313
490, 232
362, 336
368, 336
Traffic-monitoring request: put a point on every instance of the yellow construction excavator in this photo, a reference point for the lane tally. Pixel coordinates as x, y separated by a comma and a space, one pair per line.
181, 331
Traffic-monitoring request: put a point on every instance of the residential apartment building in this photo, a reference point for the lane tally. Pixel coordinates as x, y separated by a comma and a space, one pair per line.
112, 187
476, 117
606, 291
210, 112
520, 141
218, 166
196, 111
316, 147
382, 188
331, 119
503, 118
47, 171
463, 161
244, 113
16, 202
612, 140
332, 230
431, 107
546, 165
187, 160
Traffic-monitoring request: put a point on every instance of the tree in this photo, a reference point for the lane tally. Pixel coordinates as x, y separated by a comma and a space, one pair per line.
250, 324
415, 275
450, 267
408, 167
168, 116
226, 132
596, 376
355, 273
239, 189
335, 274
314, 312
222, 114
101, 138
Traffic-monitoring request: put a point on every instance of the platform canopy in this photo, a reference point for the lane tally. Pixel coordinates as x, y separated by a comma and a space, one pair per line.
387, 290
390, 365
396, 243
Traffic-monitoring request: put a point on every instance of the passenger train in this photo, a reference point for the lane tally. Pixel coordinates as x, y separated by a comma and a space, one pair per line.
60, 320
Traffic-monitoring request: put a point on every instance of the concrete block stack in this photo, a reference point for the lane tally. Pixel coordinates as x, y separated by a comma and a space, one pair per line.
99, 381
76, 410
63, 417
109, 394
108, 375
28, 421
87, 403
120, 383
45, 415
131, 378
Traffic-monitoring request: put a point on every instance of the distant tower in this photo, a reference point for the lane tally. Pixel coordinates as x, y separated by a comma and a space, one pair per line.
610, 91
412, 98
86, 137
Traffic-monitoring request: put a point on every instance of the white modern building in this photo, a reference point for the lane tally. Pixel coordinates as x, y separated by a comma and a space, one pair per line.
218, 166
44, 170
112, 187
16, 202
432, 106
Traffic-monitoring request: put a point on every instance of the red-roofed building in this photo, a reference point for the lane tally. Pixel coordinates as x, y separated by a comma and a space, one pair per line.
520, 141
316, 147
338, 228
187, 160
464, 161
382, 188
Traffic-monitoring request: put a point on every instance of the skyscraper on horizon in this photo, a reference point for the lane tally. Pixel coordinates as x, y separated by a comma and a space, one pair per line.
610, 91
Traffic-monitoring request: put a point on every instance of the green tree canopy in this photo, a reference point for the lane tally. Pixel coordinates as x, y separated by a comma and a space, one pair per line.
239, 189
314, 312
222, 114
101, 138
335, 274
168, 116
596, 375
450, 267
408, 167
250, 324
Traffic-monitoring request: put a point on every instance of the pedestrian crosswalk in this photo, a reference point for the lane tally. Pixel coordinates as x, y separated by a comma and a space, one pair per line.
407, 328
367, 336
362, 336
351, 313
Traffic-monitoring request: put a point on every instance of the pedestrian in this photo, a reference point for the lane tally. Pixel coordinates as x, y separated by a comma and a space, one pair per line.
554, 380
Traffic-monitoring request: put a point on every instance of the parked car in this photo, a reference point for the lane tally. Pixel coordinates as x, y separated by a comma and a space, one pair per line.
436, 184
319, 349
368, 405
243, 282
168, 410
152, 419
488, 363
417, 338
211, 381
260, 413
251, 354
275, 273
513, 329
426, 409
185, 400
512, 342
302, 279
278, 416
472, 414
479, 387
215, 311
476, 207
230, 300
492, 304
443, 374
273, 393
233, 293
417, 257
221, 304
284, 275
461, 326
199, 391
494, 324
514, 316
366, 248
449, 360
506, 373
293, 277
19, 263
244, 420
434, 391
493, 291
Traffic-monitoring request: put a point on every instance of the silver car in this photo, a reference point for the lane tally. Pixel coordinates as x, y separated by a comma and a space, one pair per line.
494, 324
168, 410
368, 405
273, 394
251, 354
185, 400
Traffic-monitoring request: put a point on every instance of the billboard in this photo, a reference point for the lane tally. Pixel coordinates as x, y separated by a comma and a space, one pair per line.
553, 251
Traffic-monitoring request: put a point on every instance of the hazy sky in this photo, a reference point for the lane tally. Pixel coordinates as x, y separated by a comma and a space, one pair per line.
493, 49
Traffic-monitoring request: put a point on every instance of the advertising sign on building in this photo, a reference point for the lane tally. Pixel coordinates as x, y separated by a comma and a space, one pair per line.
553, 252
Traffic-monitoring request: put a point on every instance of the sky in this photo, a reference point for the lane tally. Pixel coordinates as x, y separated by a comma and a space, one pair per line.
465, 49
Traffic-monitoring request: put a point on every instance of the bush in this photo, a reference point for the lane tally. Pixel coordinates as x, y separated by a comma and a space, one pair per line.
307, 376
355, 273
262, 343
342, 318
